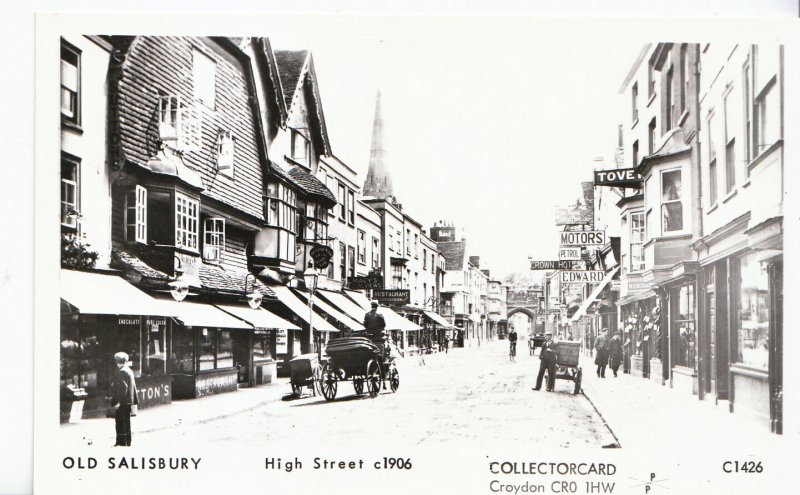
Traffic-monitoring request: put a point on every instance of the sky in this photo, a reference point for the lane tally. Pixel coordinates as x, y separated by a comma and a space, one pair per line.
488, 125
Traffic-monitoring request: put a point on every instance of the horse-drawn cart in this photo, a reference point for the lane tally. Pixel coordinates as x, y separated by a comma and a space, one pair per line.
360, 360
567, 353
304, 371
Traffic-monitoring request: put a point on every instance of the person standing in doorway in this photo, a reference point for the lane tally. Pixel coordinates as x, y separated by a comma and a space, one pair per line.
615, 352
123, 398
601, 353
547, 362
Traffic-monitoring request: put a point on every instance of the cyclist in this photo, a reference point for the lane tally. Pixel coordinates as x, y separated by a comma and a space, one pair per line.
512, 343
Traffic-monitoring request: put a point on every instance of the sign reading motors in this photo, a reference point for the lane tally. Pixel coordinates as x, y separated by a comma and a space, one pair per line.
583, 238
582, 276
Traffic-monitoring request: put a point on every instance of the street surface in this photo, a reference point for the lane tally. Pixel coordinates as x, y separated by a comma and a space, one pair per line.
472, 394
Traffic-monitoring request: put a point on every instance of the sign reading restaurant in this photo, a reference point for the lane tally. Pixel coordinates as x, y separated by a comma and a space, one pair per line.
621, 177
583, 238
551, 265
392, 296
582, 276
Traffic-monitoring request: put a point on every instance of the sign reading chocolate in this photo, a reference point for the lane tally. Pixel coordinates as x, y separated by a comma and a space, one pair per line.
583, 238
621, 177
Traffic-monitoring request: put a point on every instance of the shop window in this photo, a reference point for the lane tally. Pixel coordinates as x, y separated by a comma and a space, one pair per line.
207, 350
224, 349
262, 344
136, 215
362, 247
750, 281
214, 239
204, 74
671, 204
154, 360
685, 328
70, 84
186, 221
182, 354
225, 152
69, 192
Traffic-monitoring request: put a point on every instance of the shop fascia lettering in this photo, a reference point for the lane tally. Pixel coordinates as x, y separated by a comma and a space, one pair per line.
583, 238
582, 276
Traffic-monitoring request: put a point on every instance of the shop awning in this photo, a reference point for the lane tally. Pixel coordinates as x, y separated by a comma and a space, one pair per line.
593, 296
108, 294
359, 298
335, 313
396, 322
342, 302
640, 296
436, 319
260, 318
196, 314
298, 307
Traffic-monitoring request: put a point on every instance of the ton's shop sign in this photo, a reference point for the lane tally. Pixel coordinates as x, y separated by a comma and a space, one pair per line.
582, 276
583, 238
569, 254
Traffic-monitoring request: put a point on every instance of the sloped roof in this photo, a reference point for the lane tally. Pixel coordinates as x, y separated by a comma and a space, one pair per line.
310, 184
131, 262
290, 66
218, 279
453, 253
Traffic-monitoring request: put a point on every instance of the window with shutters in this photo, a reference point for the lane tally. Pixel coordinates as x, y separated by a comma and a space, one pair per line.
136, 215
179, 123
70, 84
225, 152
213, 239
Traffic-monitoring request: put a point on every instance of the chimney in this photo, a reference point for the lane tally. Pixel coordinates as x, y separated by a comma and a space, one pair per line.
475, 260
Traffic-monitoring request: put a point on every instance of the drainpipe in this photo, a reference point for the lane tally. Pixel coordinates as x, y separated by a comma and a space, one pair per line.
697, 204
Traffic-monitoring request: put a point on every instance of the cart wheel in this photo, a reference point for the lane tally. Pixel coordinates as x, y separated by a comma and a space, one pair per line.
316, 380
328, 382
373, 378
297, 389
578, 376
394, 378
358, 385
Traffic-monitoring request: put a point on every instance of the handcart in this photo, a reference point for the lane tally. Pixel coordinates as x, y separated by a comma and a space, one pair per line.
366, 363
567, 353
304, 371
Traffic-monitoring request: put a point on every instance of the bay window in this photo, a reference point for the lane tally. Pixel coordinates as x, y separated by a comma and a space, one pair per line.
281, 207
671, 204
136, 215
637, 242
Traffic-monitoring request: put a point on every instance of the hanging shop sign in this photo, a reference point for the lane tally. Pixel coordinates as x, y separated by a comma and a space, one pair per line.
621, 177
392, 296
569, 254
365, 282
321, 255
637, 285
551, 265
582, 276
577, 214
583, 238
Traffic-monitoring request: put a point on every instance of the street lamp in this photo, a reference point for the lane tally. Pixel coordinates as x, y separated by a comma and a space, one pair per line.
179, 288
310, 276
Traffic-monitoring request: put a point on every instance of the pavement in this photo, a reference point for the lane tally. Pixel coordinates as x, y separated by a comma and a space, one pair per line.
641, 413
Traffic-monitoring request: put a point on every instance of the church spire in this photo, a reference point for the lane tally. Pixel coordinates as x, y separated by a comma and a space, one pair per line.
379, 182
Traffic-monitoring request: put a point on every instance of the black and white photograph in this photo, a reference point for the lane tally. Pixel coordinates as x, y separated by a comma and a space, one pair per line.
456, 254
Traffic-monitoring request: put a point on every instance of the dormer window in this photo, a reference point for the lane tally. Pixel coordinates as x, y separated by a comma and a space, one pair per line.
179, 124
214, 239
225, 152
301, 147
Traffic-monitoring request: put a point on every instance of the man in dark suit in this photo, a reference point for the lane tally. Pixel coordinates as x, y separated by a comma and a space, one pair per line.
374, 322
547, 361
123, 398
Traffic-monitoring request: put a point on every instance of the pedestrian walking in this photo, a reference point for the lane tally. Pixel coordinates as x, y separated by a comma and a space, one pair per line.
512, 343
601, 353
446, 343
615, 352
547, 362
123, 398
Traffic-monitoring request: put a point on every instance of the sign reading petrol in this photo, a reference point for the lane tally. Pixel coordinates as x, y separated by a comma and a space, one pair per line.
569, 254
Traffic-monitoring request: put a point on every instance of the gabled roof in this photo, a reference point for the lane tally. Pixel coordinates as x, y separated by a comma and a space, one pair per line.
453, 253
311, 185
290, 67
